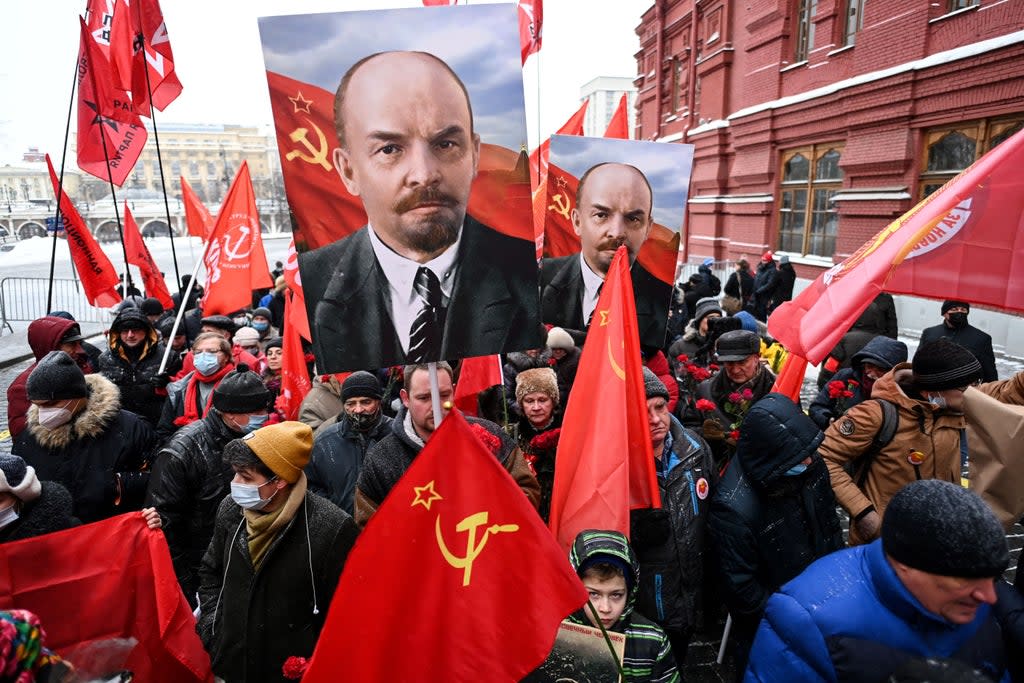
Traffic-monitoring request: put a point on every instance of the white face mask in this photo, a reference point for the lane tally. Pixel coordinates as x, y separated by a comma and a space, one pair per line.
54, 416
248, 495
8, 516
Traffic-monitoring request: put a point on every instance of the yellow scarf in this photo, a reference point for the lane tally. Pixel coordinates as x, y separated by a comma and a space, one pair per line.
263, 526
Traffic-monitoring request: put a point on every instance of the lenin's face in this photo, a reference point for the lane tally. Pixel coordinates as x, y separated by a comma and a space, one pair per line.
614, 209
409, 151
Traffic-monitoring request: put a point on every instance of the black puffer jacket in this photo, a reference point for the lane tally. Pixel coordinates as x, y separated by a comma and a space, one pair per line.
134, 370
50, 512
337, 458
89, 454
189, 481
672, 569
767, 527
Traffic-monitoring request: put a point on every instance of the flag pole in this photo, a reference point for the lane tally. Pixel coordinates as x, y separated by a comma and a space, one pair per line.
607, 640
60, 192
435, 394
156, 139
117, 214
180, 315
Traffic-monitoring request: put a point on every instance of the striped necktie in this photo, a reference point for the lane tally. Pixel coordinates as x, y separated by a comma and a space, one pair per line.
426, 330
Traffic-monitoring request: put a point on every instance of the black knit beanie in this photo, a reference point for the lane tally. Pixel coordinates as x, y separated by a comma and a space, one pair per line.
361, 384
241, 391
275, 343
56, 378
943, 364
941, 528
946, 305
653, 386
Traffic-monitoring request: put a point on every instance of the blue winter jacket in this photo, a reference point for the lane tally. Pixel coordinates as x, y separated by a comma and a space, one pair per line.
848, 617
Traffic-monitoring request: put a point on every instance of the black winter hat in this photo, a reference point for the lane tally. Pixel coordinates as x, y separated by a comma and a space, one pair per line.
941, 528
943, 364
951, 303
152, 306
221, 322
653, 386
361, 384
264, 312
881, 351
737, 345
55, 378
131, 319
166, 326
241, 391
18, 479
275, 343
706, 307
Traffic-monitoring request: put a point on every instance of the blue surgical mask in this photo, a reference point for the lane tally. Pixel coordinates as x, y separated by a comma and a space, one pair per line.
206, 363
248, 495
796, 470
261, 326
938, 401
255, 422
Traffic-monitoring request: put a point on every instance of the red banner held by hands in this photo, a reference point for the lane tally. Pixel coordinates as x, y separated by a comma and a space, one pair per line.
138, 255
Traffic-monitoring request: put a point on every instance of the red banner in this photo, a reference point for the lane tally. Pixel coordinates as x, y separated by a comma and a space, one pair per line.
99, 278
235, 261
539, 156
110, 134
295, 383
104, 581
475, 375
198, 219
296, 315
964, 241
531, 23
140, 44
476, 544
138, 255
604, 466
618, 126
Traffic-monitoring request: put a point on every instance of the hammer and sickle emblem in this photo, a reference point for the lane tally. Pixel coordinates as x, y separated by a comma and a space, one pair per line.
616, 368
560, 203
470, 525
234, 253
317, 155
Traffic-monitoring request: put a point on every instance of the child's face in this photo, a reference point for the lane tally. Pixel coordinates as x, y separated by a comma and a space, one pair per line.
608, 597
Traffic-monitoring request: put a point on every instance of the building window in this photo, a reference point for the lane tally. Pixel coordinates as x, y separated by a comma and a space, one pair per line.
951, 149
677, 82
854, 20
805, 11
962, 4
176, 168
211, 169
808, 222
193, 169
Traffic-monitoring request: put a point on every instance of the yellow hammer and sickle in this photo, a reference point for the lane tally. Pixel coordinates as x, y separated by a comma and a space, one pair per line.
616, 368
473, 549
318, 155
560, 205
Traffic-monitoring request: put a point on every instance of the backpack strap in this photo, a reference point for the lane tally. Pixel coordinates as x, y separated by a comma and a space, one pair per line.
885, 434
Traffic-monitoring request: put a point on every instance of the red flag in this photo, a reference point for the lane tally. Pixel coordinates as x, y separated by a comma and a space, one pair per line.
618, 127
99, 278
475, 375
791, 377
461, 521
971, 227
296, 316
604, 466
235, 261
295, 382
197, 216
99, 19
531, 22
108, 128
140, 43
117, 575
138, 255
539, 156
320, 204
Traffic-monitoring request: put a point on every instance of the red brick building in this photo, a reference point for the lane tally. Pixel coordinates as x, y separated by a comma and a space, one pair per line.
817, 122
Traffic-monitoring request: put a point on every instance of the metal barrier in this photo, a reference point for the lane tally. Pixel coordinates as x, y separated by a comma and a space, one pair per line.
721, 269
23, 299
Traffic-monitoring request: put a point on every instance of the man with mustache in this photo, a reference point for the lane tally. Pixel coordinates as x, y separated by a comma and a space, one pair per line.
613, 207
423, 280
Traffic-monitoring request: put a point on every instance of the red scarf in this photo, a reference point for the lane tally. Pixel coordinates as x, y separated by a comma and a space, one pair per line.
192, 394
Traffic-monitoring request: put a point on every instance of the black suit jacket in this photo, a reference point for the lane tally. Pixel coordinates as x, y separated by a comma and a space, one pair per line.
562, 297
493, 307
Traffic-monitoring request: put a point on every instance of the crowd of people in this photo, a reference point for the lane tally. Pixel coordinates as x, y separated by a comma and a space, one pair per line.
260, 512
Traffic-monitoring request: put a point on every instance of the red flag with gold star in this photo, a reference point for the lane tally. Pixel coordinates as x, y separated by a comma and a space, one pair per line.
604, 466
455, 565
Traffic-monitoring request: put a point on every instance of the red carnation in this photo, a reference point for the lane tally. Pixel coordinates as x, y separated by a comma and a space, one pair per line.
853, 383
531, 459
735, 397
294, 667
847, 393
747, 394
552, 362
490, 441
714, 367
545, 440
734, 435
835, 388
704, 405
682, 358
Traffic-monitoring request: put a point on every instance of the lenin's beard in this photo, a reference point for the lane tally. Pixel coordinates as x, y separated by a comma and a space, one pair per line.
435, 232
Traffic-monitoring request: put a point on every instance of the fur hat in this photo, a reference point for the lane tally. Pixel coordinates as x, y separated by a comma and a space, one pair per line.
942, 528
246, 335
241, 391
283, 447
943, 364
653, 386
537, 379
18, 478
56, 377
361, 384
737, 345
953, 303
559, 339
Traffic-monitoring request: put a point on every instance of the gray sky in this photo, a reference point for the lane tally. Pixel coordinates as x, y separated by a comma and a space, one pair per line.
219, 60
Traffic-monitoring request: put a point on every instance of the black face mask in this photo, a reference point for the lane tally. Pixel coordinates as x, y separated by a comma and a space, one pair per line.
364, 422
957, 320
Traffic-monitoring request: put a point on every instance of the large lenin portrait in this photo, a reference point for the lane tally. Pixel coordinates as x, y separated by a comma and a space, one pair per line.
401, 135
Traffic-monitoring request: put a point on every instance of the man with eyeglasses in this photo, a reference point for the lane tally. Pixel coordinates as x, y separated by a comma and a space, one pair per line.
955, 328
928, 441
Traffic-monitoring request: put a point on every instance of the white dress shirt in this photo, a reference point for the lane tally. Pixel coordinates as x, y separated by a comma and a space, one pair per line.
401, 274
591, 284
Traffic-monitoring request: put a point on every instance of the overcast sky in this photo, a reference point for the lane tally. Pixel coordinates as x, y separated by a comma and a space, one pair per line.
220, 63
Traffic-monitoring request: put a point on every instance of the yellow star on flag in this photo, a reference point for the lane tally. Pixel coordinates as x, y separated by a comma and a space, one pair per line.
425, 495
300, 103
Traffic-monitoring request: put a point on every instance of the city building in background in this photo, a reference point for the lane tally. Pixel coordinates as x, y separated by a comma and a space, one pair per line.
603, 94
818, 123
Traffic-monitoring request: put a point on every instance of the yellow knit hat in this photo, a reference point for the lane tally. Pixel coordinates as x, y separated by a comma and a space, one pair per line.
283, 447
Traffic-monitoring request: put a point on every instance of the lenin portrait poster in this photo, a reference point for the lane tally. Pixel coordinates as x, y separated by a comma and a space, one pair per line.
401, 135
